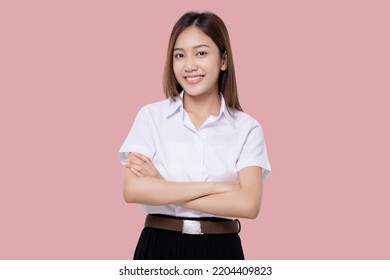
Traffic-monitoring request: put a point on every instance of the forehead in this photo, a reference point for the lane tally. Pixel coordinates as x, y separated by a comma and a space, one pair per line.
193, 36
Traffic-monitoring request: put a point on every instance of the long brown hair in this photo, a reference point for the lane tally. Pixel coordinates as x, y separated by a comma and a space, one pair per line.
213, 26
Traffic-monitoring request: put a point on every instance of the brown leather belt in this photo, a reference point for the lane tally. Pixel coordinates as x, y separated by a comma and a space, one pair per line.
192, 226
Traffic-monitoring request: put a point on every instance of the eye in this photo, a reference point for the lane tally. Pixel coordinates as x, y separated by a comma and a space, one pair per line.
178, 55
201, 53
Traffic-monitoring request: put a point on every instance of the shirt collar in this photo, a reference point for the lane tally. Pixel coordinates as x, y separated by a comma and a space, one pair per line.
225, 111
177, 104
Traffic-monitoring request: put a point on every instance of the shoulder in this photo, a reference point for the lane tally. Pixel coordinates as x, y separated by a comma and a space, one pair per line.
157, 109
244, 120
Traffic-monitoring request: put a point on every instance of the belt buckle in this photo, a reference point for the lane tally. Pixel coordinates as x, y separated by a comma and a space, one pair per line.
191, 227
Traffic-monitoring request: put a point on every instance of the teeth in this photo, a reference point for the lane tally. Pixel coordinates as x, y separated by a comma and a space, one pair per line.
194, 78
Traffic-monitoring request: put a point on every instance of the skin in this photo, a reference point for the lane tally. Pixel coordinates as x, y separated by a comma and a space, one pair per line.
195, 57
141, 184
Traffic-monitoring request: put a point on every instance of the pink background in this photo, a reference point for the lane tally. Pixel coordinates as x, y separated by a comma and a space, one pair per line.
74, 74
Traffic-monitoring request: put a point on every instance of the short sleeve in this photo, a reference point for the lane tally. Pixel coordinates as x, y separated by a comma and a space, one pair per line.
140, 137
254, 151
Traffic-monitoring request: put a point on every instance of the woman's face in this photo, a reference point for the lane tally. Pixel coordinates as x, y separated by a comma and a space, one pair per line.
197, 62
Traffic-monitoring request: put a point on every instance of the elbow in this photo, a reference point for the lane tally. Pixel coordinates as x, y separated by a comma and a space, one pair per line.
251, 214
251, 211
129, 192
129, 187
252, 205
128, 195
128, 198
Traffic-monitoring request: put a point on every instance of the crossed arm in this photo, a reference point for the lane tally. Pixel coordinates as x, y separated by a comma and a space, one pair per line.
142, 183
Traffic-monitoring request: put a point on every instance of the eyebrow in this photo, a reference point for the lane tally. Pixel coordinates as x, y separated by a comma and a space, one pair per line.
196, 47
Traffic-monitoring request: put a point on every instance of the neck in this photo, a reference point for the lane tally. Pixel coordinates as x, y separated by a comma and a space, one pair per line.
202, 105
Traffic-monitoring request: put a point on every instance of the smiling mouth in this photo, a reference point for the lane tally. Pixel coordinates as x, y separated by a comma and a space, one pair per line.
194, 79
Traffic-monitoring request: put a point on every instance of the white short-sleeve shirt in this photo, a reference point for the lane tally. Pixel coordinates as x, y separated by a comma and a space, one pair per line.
222, 146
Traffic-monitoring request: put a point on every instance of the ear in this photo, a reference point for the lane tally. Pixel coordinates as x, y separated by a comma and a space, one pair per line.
224, 62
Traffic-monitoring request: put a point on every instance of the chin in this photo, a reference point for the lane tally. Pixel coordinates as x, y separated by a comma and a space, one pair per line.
196, 91
193, 93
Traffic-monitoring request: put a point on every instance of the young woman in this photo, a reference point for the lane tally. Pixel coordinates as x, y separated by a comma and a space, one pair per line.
195, 161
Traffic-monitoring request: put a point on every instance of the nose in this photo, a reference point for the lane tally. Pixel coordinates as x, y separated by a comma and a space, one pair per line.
190, 65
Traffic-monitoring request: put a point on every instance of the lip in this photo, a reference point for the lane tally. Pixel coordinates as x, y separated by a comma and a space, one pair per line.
193, 79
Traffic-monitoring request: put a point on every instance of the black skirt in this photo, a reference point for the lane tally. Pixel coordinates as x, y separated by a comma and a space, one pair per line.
159, 244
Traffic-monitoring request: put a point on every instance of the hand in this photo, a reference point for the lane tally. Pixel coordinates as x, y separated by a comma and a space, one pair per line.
142, 166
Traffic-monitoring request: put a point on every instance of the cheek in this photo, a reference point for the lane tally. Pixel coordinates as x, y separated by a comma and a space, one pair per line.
215, 70
176, 70
214, 66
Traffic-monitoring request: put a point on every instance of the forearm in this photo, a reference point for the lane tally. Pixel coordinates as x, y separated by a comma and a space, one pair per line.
153, 191
240, 204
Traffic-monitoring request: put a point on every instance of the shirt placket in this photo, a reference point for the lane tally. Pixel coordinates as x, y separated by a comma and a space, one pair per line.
199, 155
198, 146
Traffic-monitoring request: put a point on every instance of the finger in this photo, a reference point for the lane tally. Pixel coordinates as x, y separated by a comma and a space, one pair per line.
137, 167
146, 171
136, 172
153, 170
137, 161
133, 157
143, 169
142, 157
130, 155
146, 160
